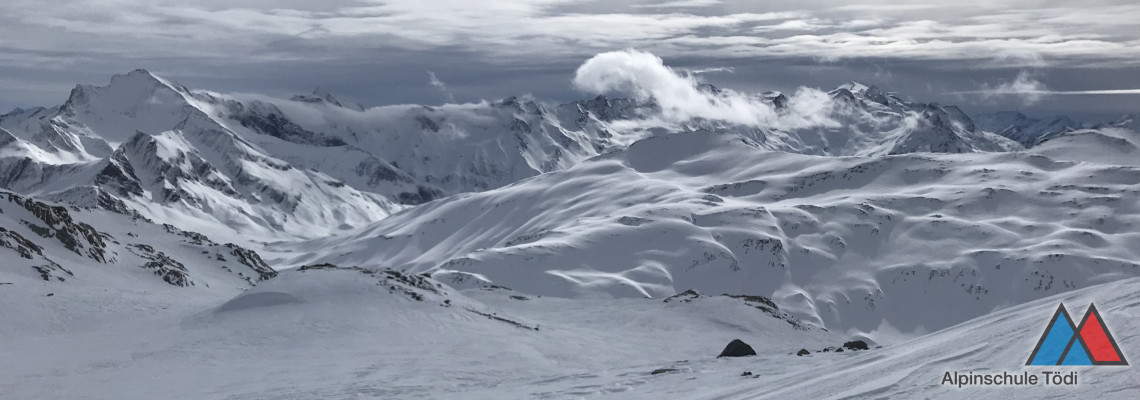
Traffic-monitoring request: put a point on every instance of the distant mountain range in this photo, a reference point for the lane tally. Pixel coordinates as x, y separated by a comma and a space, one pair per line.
593, 196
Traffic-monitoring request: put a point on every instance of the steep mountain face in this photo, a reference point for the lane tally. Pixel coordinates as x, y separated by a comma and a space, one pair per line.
146, 146
457, 148
1127, 122
1025, 130
832, 240
174, 156
863, 120
305, 167
878, 123
60, 245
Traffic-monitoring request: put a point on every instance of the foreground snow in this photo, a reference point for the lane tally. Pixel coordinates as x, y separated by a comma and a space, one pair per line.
348, 334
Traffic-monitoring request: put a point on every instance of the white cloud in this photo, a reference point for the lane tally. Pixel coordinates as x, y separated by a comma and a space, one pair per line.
680, 4
646, 77
1030, 90
207, 36
710, 70
441, 87
1011, 32
1025, 86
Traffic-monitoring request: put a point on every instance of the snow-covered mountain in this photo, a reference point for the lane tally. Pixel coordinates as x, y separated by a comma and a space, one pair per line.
209, 161
1127, 122
895, 126
833, 240
309, 166
53, 245
1103, 145
1025, 130
523, 249
148, 147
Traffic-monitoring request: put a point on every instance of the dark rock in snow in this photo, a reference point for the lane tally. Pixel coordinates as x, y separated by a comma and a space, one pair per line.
746, 373
803, 352
684, 297
662, 371
737, 348
856, 345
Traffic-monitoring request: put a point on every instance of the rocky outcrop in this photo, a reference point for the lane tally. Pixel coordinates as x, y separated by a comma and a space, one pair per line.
56, 223
737, 348
170, 270
252, 260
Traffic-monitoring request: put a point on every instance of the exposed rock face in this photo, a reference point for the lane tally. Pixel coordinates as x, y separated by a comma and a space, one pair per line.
250, 259
75, 236
40, 234
737, 348
684, 297
170, 270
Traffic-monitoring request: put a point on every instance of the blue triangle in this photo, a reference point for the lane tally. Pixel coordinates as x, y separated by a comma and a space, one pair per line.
1056, 339
1078, 355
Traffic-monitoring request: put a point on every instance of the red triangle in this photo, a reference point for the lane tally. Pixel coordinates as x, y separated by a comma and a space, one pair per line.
1096, 337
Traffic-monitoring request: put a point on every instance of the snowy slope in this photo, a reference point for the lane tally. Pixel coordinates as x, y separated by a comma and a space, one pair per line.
873, 122
999, 342
309, 166
1105, 145
49, 249
232, 163
1025, 130
831, 239
346, 333
175, 159
331, 332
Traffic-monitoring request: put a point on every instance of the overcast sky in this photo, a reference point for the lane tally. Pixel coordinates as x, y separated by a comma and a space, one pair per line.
1044, 57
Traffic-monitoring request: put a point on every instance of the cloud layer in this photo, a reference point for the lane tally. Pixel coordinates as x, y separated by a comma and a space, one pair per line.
1030, 90
484, 45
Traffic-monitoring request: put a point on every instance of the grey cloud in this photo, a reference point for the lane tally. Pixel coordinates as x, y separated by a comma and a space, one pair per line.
499, 48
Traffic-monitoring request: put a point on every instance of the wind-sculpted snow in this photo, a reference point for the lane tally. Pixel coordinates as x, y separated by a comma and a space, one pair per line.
1106, 145
851, 243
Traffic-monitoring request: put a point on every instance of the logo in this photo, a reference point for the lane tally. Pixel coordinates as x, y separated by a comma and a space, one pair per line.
1064, 343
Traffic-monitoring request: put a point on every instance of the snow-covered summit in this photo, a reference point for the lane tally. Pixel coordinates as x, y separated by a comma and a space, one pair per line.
1024, 129
320, 95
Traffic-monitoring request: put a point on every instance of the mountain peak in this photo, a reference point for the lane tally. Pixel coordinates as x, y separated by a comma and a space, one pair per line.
141, 72
320, 95
142, 77
775, 98
710, 89
855, 87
